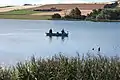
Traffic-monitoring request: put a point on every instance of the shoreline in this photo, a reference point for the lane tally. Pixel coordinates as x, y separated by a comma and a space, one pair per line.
48, 18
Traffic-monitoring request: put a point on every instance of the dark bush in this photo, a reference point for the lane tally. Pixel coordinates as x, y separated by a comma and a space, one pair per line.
56, 16
83, 17
105, 14
113, 5
75, 13
67, 17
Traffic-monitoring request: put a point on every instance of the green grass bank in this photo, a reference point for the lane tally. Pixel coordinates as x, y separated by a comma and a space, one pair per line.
19, 12
23, 14
28, 17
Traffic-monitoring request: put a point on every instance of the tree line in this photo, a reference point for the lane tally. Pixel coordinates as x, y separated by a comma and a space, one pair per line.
107, 13
104, 14
74, 14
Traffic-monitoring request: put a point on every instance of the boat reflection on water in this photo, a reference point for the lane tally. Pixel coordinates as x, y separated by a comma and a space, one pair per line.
63, 38
50, 39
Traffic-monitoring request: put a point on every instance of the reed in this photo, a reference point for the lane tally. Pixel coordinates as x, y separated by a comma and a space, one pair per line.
60, 67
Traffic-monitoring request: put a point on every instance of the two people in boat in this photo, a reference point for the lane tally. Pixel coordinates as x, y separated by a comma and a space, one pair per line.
63, 32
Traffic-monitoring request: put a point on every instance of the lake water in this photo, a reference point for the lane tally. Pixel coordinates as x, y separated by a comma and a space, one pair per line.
20, 39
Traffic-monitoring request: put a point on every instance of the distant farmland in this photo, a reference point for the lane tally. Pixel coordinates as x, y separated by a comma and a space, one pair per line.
70, 6
85, 8
27, 12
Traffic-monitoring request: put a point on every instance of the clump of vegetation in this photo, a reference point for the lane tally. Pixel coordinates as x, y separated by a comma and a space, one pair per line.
110, 12
60, 67
93, 14
56, 16
105, 14
75, 14
113, 5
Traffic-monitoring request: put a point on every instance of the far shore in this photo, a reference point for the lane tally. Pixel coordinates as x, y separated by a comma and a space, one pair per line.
28, 13
32, 17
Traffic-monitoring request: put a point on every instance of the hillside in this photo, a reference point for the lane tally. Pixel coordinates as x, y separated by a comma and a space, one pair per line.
66, 8
6, 9
70, 6
85, 8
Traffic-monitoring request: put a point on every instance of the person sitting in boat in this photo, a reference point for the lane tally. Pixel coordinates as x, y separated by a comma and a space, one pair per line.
63, 31
57, 32
50, 31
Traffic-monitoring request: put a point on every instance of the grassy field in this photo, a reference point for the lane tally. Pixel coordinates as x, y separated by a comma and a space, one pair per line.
23, 14
5, 6
60, 67
19, 12
30, 17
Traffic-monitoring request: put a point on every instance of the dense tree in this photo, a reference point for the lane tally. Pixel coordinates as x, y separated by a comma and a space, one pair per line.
111, 14
67, 16
72, 13
102, 17
93, 14
113, 5
105, 14
56, 16
75, 13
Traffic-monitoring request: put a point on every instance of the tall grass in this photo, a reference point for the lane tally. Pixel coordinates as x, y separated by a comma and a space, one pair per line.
60, 67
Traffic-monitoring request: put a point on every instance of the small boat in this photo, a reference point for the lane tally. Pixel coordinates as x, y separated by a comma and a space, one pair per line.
57, 34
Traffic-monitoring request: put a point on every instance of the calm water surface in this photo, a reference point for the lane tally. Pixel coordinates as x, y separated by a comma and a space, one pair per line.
20, 39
